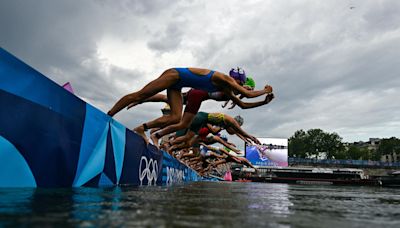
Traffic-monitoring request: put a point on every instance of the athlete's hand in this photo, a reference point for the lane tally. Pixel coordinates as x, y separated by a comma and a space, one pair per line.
268, 88
269, 98
232, 106
255, 140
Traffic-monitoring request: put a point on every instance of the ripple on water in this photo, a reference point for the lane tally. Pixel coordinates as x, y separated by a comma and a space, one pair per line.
200, 204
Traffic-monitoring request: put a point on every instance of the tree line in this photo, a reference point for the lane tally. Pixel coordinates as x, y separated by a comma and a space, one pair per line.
304, 144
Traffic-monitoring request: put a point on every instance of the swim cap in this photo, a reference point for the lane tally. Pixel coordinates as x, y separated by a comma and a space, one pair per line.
238, 74
250, 82
203, 132
239, 119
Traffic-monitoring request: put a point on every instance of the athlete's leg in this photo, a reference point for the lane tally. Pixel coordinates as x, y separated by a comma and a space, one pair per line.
156, 98
182, 142
166, 80
184, 123
175, 101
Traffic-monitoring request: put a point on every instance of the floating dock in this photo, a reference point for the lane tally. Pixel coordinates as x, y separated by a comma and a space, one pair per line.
51, 138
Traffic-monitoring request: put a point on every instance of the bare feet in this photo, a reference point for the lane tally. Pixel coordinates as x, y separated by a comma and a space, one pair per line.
140, 131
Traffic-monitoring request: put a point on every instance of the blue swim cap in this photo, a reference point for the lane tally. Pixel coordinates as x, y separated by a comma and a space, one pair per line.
238, 74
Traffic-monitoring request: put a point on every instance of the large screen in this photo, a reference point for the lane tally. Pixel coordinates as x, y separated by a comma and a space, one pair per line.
271, 152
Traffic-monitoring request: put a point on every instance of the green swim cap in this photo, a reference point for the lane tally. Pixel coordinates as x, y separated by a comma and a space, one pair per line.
250, 82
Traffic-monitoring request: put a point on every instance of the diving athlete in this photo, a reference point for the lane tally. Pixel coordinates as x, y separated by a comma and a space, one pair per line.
222, 121
173, 80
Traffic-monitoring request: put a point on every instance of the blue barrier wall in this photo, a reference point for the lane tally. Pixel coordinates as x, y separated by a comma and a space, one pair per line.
51, 138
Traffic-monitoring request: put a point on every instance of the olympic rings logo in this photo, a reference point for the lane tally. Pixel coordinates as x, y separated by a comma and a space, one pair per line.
150, 171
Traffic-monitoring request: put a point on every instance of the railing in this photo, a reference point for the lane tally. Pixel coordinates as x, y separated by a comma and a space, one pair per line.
365, 163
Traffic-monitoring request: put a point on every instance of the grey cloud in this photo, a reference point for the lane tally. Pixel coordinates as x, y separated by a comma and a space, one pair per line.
383, 16
149, 7
168, 40
331, 67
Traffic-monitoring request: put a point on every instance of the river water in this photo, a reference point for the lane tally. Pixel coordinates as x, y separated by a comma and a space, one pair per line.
203, 204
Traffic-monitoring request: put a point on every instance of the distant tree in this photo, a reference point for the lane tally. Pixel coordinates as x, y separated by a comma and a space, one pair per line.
387, 146
315, 141
333, 145
297, 144
354, 153
341, 155
367, 154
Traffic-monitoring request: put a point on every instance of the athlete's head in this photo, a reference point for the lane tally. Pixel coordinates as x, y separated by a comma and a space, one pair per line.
250, 83
239, 120
238, 74
203, 132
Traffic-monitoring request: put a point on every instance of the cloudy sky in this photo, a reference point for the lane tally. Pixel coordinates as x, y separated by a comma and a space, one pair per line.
334, 65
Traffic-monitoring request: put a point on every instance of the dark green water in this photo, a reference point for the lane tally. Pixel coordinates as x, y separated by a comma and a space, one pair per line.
203, 204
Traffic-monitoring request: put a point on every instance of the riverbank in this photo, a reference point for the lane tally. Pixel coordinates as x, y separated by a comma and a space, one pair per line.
317, 175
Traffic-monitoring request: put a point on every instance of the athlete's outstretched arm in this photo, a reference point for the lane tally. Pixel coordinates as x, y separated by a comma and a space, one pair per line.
215, 149
214, 130
242, 137
229, 85
240, 97
247, 105
226, 144
236, 127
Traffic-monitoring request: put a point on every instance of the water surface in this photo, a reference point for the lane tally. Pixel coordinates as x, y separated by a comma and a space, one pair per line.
203, 204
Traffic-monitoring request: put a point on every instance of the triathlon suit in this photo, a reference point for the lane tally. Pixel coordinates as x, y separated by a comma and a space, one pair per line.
203, 118
181, 133
194, 98
190, 79
199, 121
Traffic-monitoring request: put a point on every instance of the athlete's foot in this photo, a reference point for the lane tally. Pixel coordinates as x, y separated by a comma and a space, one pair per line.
154, 139
140, 131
